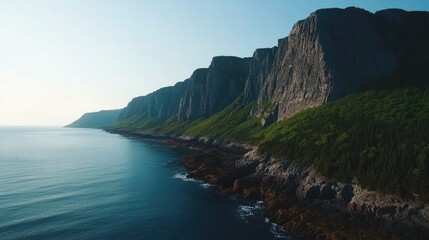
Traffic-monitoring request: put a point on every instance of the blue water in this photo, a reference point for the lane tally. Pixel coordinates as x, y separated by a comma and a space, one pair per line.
60, 183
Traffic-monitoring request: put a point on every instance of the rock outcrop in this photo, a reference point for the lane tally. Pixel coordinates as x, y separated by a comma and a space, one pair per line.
307, 204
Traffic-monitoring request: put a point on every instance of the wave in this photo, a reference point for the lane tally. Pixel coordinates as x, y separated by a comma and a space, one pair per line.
246, 211
278, 231
184, 177
249, 211
205, 185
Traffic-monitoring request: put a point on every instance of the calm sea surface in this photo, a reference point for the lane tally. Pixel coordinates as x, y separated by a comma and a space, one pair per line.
60, 183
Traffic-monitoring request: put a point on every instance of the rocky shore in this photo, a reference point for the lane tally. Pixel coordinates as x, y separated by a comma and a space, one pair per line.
306, 204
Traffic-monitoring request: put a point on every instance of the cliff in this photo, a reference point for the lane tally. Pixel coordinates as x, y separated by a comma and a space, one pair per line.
211, 90
335, 52
334, 133
160, 104
206, 92
99, 119
330, 54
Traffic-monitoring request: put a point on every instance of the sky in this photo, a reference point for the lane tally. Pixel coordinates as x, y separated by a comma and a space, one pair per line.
62, 58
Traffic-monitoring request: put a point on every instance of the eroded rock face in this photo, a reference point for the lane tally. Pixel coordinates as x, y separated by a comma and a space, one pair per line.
206, 92
332, 53
259, 68
309, 205
212, 89
335, 52
160, 104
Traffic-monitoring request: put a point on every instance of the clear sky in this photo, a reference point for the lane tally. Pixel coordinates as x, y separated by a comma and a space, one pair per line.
60, 59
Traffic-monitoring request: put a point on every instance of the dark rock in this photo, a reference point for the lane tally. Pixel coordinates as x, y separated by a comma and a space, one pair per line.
250, 193
327, 192
319, 215
346, 193
313, 192
237, 186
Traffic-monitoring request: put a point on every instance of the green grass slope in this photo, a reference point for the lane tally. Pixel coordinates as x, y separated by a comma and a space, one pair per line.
380, 137
96, 119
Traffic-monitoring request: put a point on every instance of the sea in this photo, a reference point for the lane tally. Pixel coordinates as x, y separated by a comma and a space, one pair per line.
70, 183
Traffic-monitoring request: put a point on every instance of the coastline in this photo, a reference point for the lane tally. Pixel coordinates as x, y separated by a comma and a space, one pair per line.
303, 202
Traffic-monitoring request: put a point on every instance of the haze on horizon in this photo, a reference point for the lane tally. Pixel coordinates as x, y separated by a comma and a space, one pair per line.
60, 59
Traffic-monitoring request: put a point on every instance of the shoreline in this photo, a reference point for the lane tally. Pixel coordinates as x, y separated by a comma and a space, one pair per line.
305, 204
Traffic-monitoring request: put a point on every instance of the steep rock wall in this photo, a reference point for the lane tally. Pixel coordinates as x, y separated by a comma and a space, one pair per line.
214, 88
332, 53
326, 56
161, 104
259, 68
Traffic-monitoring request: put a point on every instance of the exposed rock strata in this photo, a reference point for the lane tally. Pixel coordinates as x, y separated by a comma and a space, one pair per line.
211, 90
206, 92
161, 104
309, 205
328, 55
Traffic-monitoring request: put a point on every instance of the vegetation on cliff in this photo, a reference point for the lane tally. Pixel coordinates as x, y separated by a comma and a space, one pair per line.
99, 119
379, 137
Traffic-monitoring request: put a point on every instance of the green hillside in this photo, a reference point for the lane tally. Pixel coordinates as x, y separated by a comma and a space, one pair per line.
380, 138
99, 119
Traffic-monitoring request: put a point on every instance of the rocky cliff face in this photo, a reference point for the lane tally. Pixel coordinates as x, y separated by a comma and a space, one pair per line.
214, 88
406, 35
259, 68
335, 52
206, 92
307, 204
328, 55
161, 104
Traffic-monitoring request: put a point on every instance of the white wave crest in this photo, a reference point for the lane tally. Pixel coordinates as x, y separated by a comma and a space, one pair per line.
246, 211
278, 231
183, 177
206, 185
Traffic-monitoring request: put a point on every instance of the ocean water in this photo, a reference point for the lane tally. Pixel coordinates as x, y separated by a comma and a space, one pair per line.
60, 183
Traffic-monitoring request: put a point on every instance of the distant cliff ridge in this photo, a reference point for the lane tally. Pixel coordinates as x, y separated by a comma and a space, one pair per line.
206, 92
328, 55
99, 119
